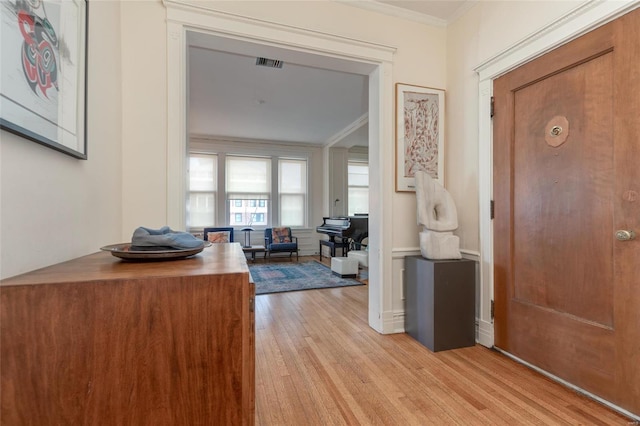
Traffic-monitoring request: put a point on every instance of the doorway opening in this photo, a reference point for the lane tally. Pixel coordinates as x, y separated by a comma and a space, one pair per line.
340, 54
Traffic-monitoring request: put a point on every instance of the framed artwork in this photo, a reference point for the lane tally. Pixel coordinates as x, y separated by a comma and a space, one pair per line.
419, 134
43, 44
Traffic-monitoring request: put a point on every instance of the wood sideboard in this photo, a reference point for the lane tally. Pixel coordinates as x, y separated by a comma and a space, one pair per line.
101, 341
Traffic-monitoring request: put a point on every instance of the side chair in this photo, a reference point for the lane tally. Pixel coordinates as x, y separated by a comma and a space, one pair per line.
218, 235
279, 240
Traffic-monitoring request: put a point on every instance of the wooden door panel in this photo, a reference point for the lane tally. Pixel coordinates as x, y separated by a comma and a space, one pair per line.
563, 194
567, 293
591, 364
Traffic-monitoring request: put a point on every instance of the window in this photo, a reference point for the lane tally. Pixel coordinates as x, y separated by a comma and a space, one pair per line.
202, 190
292, 187
247, 178
358, 181
253, 211
248, 191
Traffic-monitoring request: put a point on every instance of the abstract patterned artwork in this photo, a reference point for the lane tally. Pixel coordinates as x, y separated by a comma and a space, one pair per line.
420, 124
420, 134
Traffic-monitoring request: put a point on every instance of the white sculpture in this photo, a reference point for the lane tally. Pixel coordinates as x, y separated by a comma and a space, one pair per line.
438, 215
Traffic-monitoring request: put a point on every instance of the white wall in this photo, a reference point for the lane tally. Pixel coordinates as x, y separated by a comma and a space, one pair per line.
79, 206
484, 31
419, 59
144, 116
338, 187
54, 207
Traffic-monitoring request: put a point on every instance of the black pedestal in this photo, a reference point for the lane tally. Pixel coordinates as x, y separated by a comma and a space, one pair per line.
440, 302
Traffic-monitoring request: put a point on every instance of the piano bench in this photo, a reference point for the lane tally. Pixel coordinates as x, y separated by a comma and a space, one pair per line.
361, 256
344, 267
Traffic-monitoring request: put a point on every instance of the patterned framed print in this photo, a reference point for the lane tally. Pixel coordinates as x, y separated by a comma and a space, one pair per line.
419, 134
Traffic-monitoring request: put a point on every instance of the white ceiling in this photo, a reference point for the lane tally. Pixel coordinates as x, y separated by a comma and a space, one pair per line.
230, 96
312, 99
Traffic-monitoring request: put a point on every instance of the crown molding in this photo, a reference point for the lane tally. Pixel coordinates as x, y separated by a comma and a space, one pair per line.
467, 6
205, 138
398, 12
361, 121
197, 15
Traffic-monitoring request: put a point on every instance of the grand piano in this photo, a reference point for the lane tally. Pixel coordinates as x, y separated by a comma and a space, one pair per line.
343, 232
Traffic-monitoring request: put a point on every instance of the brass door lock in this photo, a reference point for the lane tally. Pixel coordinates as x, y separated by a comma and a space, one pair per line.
624, 235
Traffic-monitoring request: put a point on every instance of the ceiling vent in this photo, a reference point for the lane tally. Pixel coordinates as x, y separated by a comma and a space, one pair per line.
271, 63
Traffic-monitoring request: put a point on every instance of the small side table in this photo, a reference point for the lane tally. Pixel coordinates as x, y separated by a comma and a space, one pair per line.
253, 250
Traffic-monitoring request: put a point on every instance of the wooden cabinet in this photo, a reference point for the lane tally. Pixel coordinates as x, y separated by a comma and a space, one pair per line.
97, 341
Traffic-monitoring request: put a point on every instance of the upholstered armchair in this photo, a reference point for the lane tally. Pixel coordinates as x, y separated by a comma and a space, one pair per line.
279, 240
218, 235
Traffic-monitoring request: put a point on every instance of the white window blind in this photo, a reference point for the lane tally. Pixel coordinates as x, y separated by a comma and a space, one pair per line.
292, 188
358, 182
202, 190
248, 178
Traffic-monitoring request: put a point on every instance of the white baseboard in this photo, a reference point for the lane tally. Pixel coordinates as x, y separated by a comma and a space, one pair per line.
398, 321
388, 323
484, 335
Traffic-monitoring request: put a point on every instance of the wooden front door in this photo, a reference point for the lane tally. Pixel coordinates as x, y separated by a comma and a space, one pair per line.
566, 178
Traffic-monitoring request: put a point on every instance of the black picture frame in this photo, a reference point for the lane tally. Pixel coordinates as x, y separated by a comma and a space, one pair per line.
44, 72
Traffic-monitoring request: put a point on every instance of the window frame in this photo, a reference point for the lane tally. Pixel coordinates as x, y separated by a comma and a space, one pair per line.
269, 204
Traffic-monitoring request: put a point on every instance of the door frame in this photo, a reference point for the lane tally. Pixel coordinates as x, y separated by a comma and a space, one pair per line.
183, 18
571, 25
568, 27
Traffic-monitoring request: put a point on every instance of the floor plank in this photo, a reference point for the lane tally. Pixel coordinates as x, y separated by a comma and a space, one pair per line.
319, 363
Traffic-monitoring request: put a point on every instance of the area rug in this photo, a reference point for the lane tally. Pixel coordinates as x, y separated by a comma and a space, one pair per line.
279, 277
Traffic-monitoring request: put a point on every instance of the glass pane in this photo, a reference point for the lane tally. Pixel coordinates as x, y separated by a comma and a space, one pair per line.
202, 172
201, 210
358, 200
358, 174
248, 175
292, 210
244, 214
293, 176
258, 219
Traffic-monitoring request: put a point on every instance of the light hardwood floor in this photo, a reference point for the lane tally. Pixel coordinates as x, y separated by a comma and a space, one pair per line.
319, 363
